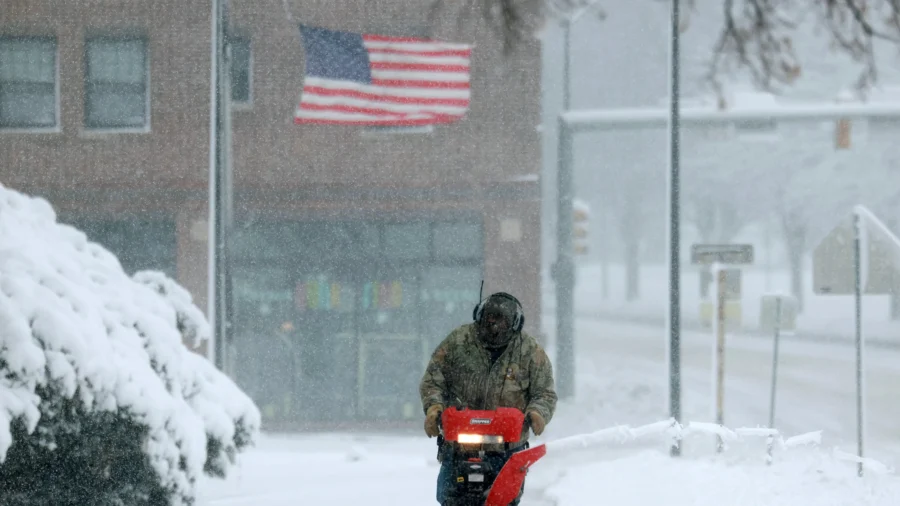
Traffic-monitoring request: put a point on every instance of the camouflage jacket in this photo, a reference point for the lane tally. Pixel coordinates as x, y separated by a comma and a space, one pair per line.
460, 372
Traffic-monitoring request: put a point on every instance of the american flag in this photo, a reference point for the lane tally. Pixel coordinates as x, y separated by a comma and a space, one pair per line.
363, 79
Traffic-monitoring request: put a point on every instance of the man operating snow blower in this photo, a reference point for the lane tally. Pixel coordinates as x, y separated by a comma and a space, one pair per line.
480, 368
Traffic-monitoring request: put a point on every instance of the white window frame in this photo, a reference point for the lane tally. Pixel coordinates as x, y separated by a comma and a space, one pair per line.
56, 126
106, 129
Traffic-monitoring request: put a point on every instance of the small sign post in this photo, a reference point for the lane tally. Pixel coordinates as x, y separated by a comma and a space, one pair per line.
719, 255
777, 331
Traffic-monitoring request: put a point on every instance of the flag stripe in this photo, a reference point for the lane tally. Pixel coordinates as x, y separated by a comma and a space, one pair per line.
413, 58
380, 52
410, 75
370, 37
385, 110
436, 93
373, 122
393, 107
402, 83
309, 114
427, 67
317, 91
417, 47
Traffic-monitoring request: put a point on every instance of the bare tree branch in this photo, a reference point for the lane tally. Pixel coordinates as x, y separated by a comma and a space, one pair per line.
756, 35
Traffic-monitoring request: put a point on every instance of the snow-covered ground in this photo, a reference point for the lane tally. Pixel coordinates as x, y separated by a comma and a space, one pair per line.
622, 379
318, 469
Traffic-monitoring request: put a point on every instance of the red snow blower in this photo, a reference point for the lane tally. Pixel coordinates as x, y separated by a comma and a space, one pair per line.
483, 440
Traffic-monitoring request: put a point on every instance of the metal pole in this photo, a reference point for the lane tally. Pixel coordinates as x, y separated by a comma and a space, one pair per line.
227, 210
776, 340
860, 421
567, 46
211, 269
674, 246
565, 268
221, 194
720, 353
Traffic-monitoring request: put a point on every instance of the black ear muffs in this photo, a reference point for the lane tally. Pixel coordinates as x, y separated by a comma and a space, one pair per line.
518, 321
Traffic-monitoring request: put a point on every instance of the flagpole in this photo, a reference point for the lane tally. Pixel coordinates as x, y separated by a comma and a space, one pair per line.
220, 189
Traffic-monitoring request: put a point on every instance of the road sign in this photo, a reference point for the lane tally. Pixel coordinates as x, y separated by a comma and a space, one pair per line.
706, 254
859, 256
833, 264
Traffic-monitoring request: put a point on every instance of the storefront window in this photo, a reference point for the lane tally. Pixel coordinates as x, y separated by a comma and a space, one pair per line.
457, 240
367, 303
388, 303
448, 296
407, 241
257, 241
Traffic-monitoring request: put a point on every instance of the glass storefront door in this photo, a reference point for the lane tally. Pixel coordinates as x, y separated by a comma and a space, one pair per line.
266, 355
390, 344
325, 314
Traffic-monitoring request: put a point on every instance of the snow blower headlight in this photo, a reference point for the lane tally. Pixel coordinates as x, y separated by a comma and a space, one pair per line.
477, 439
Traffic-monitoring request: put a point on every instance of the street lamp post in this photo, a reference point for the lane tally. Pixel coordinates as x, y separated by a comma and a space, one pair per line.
564, 269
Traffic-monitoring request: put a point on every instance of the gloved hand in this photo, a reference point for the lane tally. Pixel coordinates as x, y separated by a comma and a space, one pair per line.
537, 422
431, 420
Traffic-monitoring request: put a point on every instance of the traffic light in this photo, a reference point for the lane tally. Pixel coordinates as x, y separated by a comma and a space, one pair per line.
843, 127
581, 214
842, 134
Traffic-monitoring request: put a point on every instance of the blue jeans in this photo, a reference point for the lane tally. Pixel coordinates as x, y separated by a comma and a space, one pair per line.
446, 478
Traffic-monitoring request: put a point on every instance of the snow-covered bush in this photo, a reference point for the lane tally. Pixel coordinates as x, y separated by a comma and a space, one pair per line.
100, 400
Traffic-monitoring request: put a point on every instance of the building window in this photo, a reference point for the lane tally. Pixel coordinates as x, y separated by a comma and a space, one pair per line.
406, 241
458, 240
28, 94
116, 78
139, 244
240, 70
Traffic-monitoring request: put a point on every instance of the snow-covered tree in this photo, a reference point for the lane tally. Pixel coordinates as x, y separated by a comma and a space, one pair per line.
101, 402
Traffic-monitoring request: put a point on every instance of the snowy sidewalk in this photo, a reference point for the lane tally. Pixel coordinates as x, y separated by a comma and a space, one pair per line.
614, 386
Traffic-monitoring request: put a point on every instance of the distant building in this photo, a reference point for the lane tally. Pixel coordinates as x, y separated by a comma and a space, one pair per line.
356, 249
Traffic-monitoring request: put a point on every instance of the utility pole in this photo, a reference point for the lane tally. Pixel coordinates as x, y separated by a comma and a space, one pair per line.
220, 196
564, 269
674, 324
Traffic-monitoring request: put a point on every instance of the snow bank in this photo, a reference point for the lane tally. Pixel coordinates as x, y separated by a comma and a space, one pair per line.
802, 474
671, 431
654, 478
72, 322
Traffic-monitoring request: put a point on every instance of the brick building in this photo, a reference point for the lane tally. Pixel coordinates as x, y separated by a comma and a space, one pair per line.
356, 249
